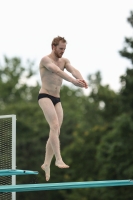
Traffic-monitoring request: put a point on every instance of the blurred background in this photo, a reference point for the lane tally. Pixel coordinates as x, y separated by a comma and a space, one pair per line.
97, 131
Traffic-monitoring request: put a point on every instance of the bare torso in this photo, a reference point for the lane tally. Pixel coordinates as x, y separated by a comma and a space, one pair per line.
51, 83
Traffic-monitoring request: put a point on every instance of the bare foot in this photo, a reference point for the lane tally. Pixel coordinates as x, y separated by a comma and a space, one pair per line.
61, 164
46, 168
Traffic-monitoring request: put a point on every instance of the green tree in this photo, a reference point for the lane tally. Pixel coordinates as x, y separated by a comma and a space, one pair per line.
12, 85
106, 99
115, 150
127, 79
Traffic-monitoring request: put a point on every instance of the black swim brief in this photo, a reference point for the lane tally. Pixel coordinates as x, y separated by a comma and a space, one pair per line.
55, 100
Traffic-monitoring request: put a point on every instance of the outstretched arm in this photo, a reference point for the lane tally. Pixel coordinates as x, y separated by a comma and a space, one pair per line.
75, 72
46, 62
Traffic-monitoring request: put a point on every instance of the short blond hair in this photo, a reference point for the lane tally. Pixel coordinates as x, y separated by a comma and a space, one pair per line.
56, 41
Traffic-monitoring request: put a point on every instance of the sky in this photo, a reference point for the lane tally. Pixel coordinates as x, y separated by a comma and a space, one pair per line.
94, 29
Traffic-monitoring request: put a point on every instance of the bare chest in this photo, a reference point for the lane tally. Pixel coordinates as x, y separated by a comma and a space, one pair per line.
50, 78
60, 64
